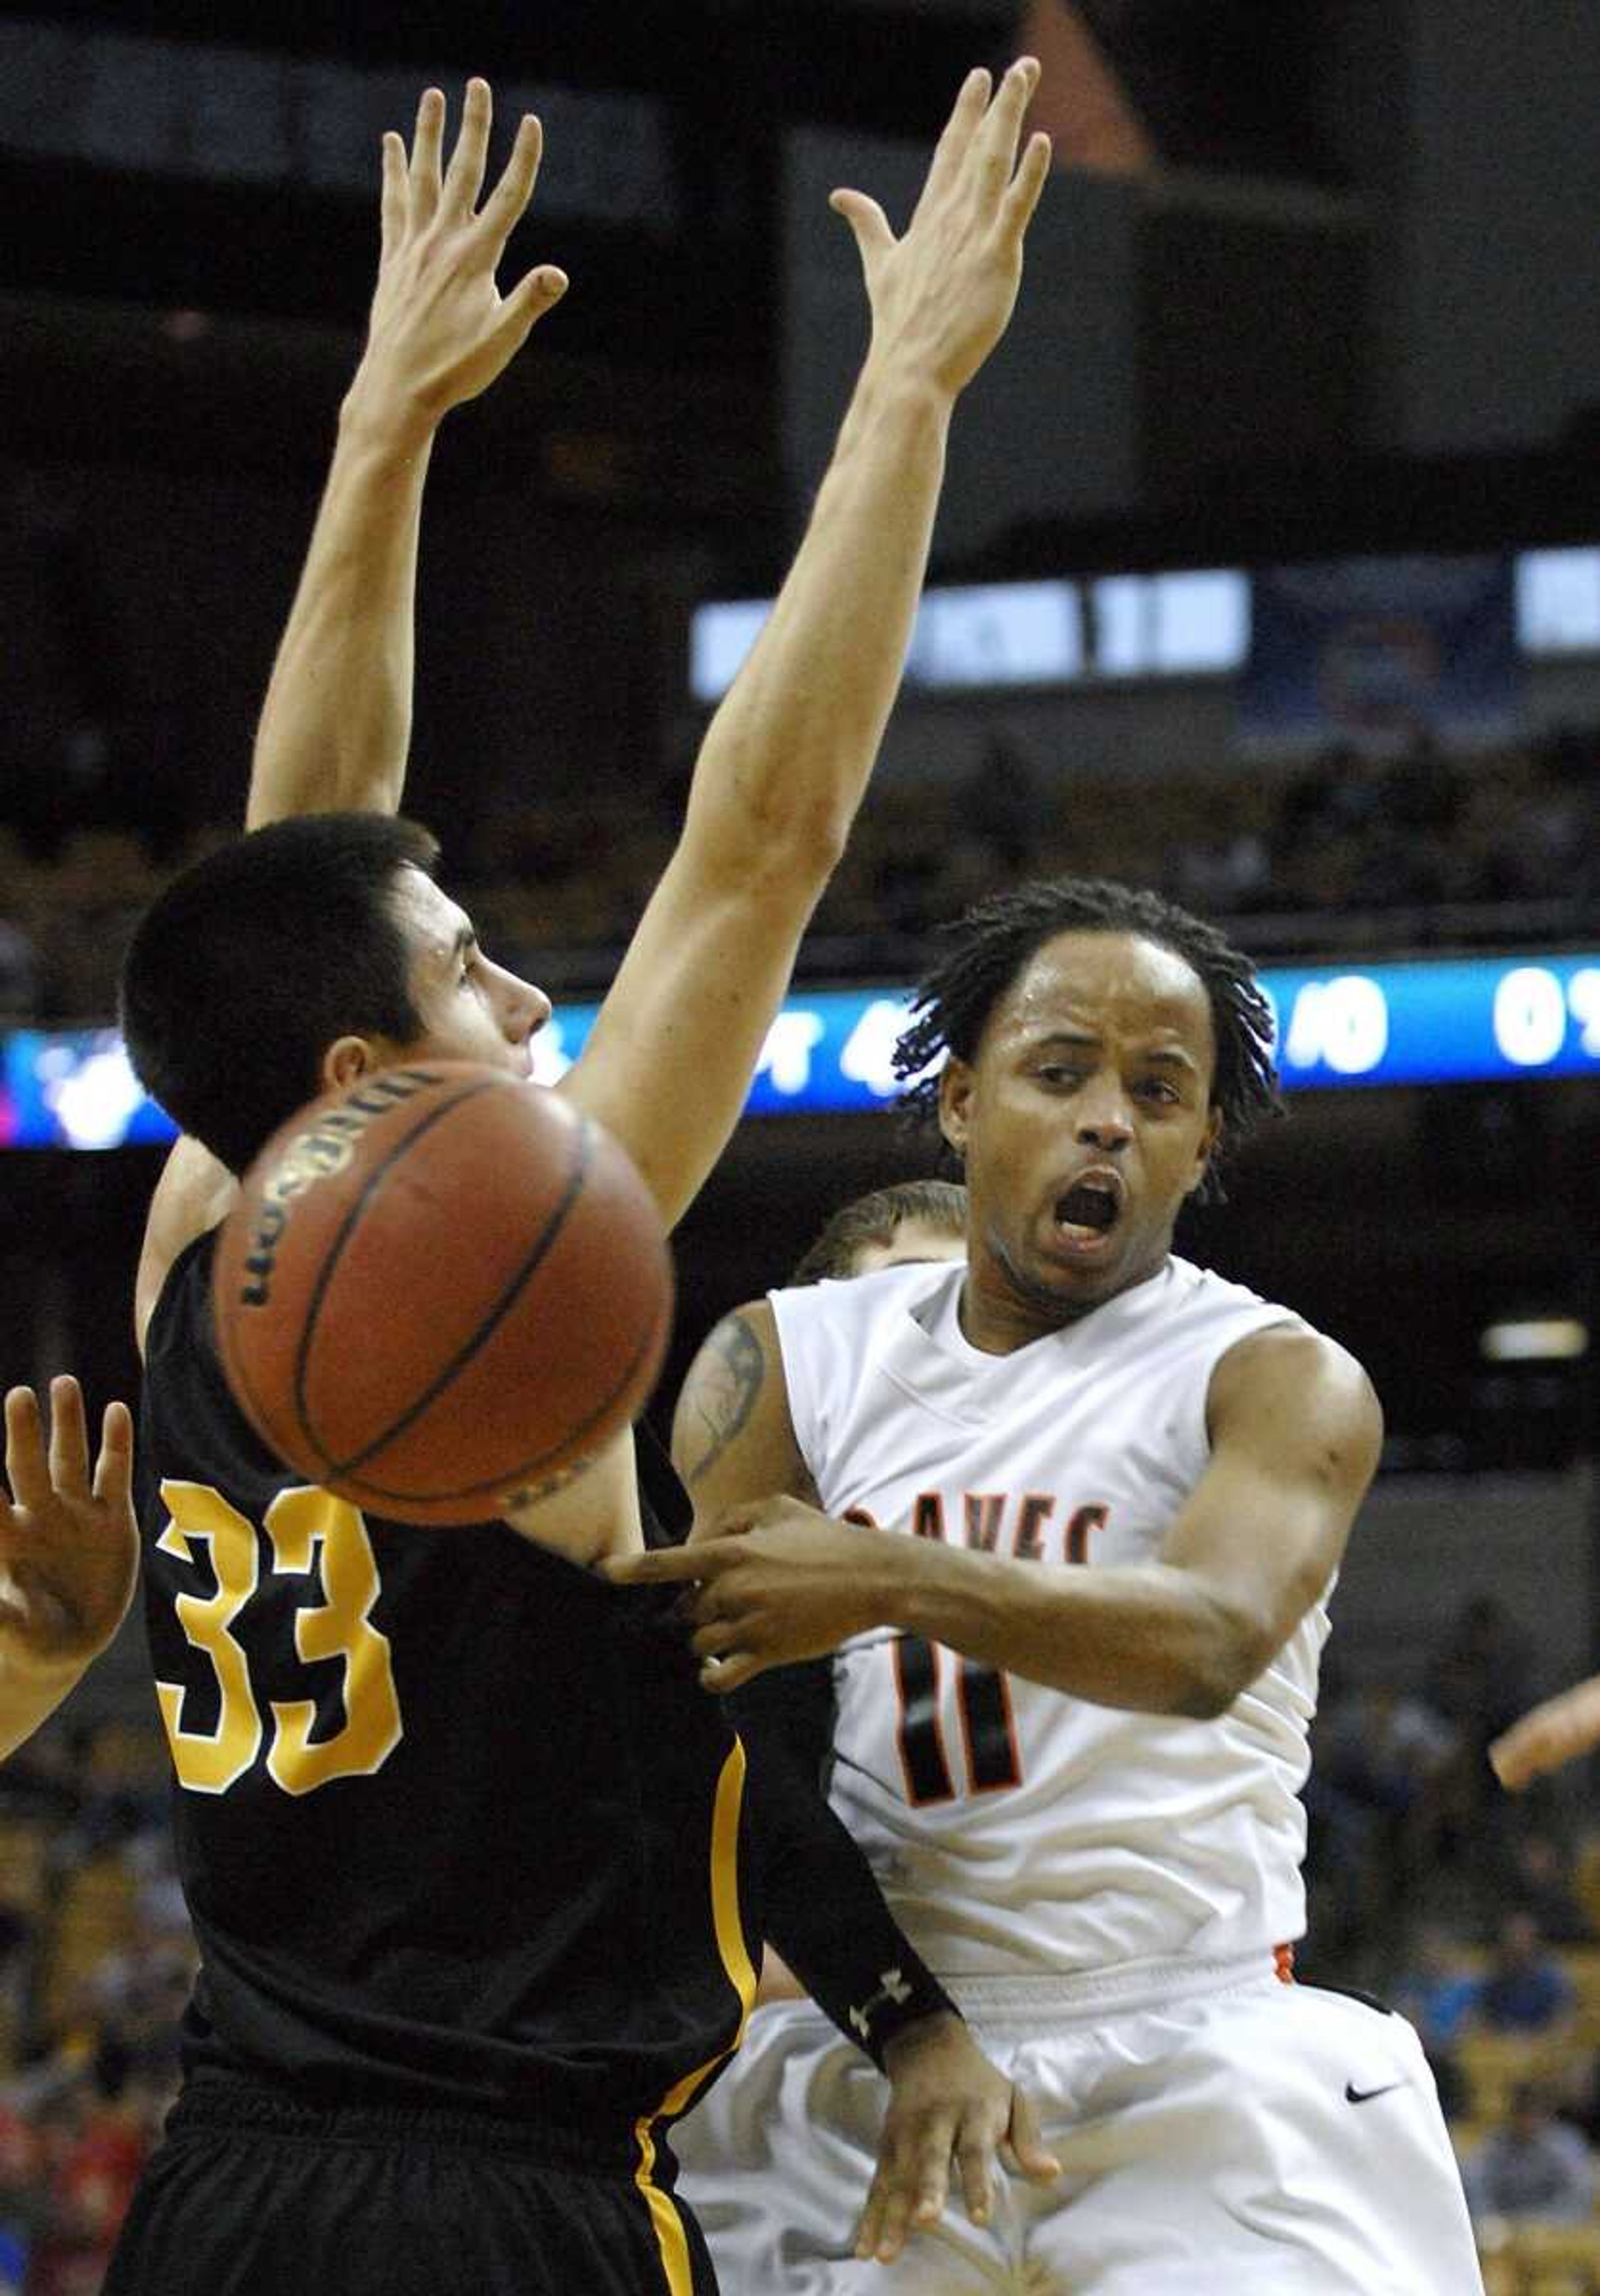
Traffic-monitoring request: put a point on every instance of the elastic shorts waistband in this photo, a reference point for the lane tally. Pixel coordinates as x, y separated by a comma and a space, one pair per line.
1131, 1985
221, 2103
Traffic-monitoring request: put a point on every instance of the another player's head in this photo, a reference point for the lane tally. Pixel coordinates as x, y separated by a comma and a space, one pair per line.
300, 957
909, 1221
1099, 1043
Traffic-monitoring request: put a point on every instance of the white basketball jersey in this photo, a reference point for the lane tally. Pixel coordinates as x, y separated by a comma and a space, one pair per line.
1013, 1827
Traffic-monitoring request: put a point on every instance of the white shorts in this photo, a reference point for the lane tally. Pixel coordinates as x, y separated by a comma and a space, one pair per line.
1221, 2134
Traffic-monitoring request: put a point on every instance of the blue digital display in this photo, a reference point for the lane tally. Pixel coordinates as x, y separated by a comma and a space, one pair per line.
1449, 1020
1440, 1020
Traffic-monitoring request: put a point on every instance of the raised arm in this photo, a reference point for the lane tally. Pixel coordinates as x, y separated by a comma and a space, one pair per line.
785, 761
336, 724
68, 1552
1295, 1433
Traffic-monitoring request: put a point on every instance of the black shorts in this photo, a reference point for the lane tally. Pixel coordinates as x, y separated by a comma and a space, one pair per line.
252, 2194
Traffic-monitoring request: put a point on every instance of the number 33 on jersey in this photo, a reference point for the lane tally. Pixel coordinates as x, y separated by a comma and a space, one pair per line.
215, 1724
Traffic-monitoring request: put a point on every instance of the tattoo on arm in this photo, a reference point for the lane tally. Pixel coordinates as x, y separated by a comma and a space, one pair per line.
536, 1493
723, 1385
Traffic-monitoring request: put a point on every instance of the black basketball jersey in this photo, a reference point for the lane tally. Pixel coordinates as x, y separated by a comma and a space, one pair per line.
455, 1824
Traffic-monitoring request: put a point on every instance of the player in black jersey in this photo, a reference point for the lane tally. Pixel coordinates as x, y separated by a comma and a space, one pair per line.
474, 1869
68, 1550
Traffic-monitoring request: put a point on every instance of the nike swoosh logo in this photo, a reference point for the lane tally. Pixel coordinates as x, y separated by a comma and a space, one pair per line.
1354, 2096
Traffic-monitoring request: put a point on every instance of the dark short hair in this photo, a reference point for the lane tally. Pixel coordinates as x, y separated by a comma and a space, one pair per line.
986, 949
876, 1218
253, 962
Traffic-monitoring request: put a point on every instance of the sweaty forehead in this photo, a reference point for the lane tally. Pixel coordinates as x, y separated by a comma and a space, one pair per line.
429, 918
1109, 982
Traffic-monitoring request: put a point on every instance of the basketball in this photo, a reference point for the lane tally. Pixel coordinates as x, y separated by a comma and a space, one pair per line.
437, 1289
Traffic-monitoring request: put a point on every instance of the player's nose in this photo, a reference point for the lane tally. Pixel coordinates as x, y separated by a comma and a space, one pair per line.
527, 1008
1104, 1119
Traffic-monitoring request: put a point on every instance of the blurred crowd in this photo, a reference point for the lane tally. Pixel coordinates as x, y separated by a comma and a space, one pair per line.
95, 1962
1478, 1915
1404, 852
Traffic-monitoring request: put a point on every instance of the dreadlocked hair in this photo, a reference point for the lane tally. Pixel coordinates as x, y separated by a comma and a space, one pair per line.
987, 947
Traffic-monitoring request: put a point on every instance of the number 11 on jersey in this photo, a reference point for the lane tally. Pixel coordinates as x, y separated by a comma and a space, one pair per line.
982, 1703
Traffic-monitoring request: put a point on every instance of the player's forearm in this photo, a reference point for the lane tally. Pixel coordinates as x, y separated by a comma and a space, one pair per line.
336, 724
1556, 1731
1154, 1640
825, 1912
786, 758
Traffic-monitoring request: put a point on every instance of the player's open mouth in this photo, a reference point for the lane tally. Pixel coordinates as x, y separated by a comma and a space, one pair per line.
1088, 1211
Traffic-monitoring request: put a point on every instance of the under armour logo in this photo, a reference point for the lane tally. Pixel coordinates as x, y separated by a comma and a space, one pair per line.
891, 1987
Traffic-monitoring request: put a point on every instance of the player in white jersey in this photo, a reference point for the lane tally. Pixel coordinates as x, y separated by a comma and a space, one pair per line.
1067, 1516
909, 1222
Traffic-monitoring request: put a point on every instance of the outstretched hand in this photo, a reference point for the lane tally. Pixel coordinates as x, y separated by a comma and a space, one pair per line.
770, 1583
440, 331
946, 2104
942, 294
68, 1548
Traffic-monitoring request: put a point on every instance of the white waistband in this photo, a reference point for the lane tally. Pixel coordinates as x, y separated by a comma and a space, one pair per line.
1131, 1985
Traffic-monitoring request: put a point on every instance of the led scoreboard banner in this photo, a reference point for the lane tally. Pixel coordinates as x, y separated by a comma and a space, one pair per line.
1447, 1020
1425, 1021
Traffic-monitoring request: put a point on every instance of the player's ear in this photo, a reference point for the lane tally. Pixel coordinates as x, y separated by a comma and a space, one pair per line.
955, 1082
1207, 1148
347, 1060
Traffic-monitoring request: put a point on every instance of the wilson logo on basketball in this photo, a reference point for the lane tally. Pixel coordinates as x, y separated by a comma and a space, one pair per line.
312, 1156
445, 1286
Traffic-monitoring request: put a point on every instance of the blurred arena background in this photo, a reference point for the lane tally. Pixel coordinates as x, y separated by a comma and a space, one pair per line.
1269, 573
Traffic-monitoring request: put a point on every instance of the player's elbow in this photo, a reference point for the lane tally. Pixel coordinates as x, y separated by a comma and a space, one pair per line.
801, 833
1235, 1647
1204, 1696
775, 857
